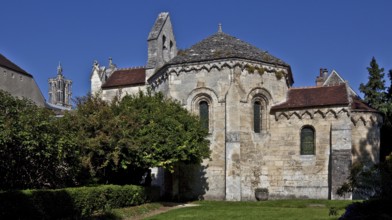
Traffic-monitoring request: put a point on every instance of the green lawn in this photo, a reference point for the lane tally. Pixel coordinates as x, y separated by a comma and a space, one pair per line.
277, 209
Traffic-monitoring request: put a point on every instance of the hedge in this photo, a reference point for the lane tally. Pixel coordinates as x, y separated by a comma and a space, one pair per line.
69, 203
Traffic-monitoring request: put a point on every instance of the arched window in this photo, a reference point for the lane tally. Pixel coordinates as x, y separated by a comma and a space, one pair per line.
257, 117
203, 108
307, 140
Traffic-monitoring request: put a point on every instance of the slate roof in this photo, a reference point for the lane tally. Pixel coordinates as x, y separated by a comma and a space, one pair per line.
222, 46
4, 62
126, 77
298, 98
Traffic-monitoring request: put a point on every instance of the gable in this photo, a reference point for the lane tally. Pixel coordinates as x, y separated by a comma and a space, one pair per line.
335, 79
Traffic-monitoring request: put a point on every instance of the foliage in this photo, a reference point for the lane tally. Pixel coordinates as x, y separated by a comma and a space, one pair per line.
378, 96
374, 88
372, 209
68, 203
370, 182
374, 181
131, 212
122, 139
34, 151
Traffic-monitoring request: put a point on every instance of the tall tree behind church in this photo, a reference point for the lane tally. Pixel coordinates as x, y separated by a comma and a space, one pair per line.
379, 97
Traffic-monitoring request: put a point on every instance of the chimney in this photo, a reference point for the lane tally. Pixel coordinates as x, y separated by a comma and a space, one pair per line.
325, 73
322, 77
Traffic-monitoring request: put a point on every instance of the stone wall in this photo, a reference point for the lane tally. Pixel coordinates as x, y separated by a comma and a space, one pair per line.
243, 160
229, 90
366, 136
292, 174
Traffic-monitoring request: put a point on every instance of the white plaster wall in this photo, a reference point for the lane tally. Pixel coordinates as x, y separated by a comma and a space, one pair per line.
110, 94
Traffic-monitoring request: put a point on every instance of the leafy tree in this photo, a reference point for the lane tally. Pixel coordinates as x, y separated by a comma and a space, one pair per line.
370, 181
32, 152
121, 139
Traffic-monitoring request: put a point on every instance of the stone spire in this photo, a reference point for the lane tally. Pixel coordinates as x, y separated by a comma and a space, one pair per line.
220, 28
59, 69
60, 89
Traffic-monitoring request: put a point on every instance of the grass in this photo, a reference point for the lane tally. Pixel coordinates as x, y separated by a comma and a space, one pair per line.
277, 209
128, 212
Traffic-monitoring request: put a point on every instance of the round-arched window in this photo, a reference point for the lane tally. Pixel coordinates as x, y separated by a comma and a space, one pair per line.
307, 140
257, 116
204, 111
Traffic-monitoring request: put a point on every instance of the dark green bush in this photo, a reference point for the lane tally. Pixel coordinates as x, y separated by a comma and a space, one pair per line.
369, 210
68, 203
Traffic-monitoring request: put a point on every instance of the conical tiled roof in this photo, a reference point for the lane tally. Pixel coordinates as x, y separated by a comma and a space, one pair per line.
223, 46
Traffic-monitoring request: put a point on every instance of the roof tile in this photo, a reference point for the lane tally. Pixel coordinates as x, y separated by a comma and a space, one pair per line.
359, 105
314, 97
126, 77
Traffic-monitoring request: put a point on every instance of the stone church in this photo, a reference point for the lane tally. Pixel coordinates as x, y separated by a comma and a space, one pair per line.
264, 133
60, 90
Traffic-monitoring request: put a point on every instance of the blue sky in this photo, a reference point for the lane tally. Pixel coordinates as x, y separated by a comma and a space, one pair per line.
307, 34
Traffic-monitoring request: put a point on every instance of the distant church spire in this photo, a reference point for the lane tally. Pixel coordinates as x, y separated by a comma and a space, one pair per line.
59, 69
220, 28
60, 89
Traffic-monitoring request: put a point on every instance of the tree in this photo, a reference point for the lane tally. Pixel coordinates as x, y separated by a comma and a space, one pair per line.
122, 139
379, 97
374, 90
389, 99
32, 152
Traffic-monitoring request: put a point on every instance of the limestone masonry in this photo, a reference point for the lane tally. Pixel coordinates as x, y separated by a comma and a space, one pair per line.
264, 133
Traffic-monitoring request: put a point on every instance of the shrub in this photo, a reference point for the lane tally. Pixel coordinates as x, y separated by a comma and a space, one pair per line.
74, 203
371, 209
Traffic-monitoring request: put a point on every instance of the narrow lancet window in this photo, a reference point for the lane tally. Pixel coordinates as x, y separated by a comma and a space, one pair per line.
203, 108
307, 141
257, 117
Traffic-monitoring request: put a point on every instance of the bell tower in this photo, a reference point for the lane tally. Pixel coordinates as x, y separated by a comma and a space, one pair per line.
60, 89
161, 43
